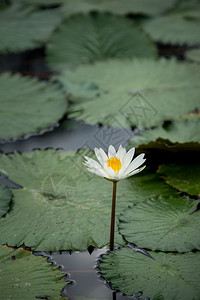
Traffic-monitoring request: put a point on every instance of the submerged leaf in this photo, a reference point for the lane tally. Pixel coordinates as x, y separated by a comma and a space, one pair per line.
184, 177
164, 224
22, 28
5, 197
86, 39
140, 93
193, 55
67, 207
169, 276
25, 276
28, 105
175, 136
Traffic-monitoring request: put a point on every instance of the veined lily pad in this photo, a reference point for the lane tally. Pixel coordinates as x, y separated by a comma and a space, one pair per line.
193, 55
117, 6
26, 28
5, 197
133, 92
162, 224
177, 135
67, 207
168, 276
28, 105
86, 39
184, 177
174, 29
25, 276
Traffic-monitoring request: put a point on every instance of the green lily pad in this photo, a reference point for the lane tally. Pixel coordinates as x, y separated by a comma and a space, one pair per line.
5, 197
136, 92
184, 177
176, 136
28, 105
123, 39
41, 2
174, 29
67, 207
168, 276
27, 28
193, 55
25, 276
162, 224
117, 7
188, 9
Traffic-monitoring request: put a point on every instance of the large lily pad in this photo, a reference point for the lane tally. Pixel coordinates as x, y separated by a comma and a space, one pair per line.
133, 92
67, 207
184, 177
26, 28
86, 39
117, 6
25, 276
177, 135
174, 29
168, 276
162, 224
28, 105
5, 197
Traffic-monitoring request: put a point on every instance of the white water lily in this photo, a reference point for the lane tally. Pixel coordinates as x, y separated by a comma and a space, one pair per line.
116, 165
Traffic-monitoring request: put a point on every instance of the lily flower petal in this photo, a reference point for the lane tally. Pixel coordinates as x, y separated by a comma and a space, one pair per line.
117, 165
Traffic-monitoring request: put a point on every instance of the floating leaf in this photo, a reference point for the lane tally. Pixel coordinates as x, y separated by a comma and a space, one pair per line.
168, 276
162, 224
67, 207
174, 29
184, 177
5, 197
26, 28
188, 9
28, 105
86, 39
25, 276
177, 135
117, 6
41, 2
133, 92
194, 55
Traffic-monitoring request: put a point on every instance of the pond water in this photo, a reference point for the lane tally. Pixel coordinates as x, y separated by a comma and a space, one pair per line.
81, 267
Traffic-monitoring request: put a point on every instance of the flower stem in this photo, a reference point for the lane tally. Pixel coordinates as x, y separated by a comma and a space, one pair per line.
112, 225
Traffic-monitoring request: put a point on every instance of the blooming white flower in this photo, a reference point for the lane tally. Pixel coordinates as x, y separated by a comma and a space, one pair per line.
116, 165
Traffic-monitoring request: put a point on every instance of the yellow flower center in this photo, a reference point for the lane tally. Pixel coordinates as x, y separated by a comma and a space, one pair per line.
114, 163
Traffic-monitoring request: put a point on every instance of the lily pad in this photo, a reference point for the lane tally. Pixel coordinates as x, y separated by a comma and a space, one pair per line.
28, 105
140, 93
67, 207
174, 29
175, 136
95, 42
184, 177
193, 55
117, 7
168, 276
5, 197
25, 276
27, 28
162, 224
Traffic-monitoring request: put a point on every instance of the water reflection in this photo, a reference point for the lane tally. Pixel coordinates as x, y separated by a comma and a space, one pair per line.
85, 280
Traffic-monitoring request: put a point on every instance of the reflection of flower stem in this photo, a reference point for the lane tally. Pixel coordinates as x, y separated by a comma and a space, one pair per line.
112, 225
